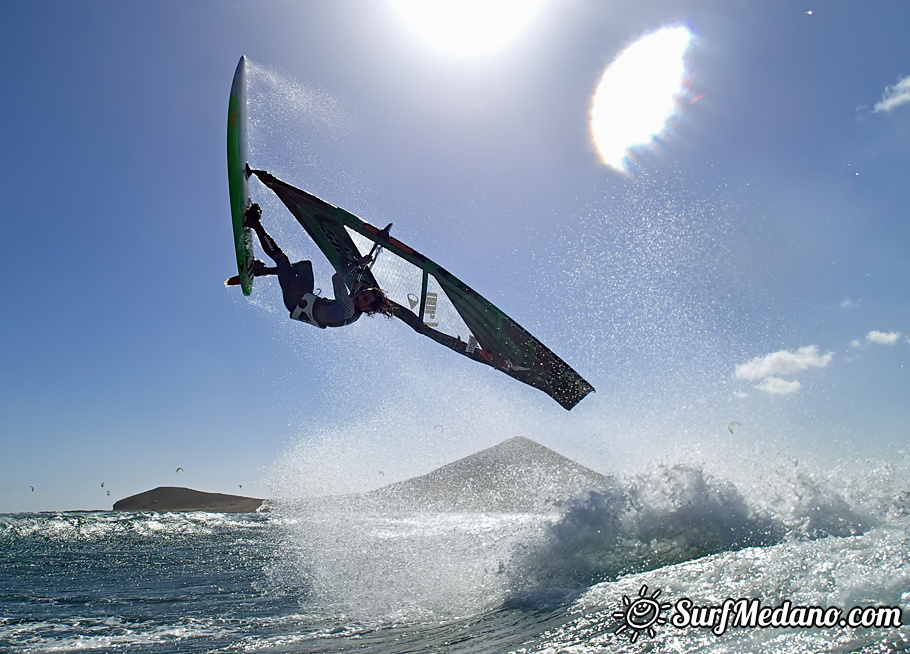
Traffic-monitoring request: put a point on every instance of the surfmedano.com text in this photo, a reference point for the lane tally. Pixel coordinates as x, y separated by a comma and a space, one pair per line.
749, 613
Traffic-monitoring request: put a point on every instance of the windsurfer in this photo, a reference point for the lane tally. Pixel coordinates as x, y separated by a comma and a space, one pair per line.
297, 285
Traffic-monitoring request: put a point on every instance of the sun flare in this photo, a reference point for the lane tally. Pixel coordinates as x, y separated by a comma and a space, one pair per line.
639, 93
467, 28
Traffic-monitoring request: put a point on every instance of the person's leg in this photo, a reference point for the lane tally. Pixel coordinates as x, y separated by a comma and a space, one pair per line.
253, 220
292, 289
304, 271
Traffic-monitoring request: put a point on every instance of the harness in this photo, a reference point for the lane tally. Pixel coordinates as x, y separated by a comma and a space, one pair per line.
304, 310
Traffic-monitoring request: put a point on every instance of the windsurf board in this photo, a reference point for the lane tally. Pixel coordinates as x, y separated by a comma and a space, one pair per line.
238, 179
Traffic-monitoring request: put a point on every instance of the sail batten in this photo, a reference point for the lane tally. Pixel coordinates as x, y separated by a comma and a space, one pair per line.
429, 299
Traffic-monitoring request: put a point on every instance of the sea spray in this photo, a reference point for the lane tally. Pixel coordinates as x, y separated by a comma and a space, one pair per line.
365, 552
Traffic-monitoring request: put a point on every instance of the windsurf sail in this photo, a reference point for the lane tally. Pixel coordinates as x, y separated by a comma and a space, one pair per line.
429, 299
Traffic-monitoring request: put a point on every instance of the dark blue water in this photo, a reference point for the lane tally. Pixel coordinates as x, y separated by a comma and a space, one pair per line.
197, 582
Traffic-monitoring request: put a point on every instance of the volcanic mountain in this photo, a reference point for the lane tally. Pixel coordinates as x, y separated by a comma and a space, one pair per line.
516, 475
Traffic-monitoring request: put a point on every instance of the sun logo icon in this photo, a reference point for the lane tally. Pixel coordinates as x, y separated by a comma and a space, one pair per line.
641, 614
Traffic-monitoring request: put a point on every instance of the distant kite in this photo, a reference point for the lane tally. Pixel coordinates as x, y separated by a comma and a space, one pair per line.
102, 484
730, 426
108, 492
438, 428
179, 469
33, 488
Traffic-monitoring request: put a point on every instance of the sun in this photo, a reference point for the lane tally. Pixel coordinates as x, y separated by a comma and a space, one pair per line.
639, 94
467, 28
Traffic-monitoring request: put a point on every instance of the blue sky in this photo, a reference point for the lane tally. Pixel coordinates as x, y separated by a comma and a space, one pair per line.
753, 268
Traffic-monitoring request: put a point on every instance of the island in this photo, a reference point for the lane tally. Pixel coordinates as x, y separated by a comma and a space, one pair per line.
174, 498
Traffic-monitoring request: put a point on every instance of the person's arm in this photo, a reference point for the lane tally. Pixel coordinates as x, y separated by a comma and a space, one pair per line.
343, 300
342, 297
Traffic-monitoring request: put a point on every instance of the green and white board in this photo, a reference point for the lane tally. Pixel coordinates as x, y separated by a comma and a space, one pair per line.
238, 180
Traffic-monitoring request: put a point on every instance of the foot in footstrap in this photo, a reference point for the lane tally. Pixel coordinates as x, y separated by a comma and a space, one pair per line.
259, 270
262, 270
253, 216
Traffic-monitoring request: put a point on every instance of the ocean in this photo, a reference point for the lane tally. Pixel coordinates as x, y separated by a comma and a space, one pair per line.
637, 567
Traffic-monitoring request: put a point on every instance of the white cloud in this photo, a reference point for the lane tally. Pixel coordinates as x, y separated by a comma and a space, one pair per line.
778, 386
847, 303
855, 343
894, 96
783, 362
882, 338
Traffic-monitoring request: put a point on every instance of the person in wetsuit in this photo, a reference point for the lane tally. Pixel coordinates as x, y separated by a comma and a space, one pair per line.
297, 285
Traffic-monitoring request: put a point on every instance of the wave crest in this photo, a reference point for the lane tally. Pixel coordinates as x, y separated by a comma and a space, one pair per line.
672, 514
